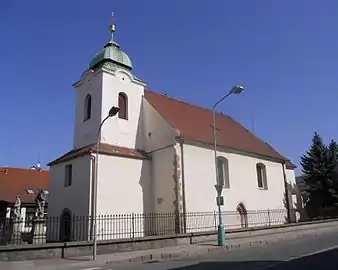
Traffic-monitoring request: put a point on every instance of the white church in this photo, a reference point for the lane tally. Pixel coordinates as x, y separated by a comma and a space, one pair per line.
156, 157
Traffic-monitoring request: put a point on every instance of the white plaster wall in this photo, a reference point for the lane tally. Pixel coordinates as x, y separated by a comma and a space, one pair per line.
163, 170
156, 131
75, 197
290, 176
164, 190
297, 207
120, 131
124, 194
200, 192
291, 179
85, 132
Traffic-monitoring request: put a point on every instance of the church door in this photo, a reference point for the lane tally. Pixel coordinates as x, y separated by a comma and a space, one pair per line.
65, 226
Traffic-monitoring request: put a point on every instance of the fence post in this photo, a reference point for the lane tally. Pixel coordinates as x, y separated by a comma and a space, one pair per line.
215, 222
269, 217
133, 225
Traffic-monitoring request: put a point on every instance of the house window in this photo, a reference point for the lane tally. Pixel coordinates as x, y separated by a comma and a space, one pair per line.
123, 105
223, 172
87, 107
261, 176
68, 175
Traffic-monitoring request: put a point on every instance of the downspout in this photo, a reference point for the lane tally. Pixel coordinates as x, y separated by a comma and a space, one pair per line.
181, 142
287, 201
92, 158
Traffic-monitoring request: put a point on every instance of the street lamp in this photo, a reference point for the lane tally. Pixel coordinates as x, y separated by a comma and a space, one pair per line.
112, 112
219, 184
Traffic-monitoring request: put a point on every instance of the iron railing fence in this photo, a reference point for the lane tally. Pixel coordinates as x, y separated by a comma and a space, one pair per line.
128, 226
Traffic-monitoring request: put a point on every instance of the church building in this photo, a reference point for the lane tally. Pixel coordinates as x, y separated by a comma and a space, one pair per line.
156, 154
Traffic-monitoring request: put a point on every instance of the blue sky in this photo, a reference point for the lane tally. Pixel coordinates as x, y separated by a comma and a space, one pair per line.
283, 52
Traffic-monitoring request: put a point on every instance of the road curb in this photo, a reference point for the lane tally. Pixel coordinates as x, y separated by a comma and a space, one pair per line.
153, 256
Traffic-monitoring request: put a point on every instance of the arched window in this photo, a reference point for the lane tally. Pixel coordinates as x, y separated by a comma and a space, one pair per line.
87, 107
123, 105
223, 172
261, 176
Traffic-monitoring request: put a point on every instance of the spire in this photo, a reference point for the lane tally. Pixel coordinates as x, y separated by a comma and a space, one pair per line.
38, 165
112, 27
111, 51
112, 30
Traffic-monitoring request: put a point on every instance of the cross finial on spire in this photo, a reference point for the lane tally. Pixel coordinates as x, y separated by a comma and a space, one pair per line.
112, 26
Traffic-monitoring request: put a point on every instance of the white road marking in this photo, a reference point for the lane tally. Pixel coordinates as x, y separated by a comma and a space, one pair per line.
93, 268
298, 257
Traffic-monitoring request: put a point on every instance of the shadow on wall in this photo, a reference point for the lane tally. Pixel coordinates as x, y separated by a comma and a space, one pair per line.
140, 136
155, 222
148, 195
146, 176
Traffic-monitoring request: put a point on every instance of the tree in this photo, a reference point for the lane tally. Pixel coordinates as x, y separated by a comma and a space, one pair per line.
319, 172
332, 169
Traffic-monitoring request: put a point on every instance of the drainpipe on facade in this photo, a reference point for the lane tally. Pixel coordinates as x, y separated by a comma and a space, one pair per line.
92, 158
287, 201
181, 142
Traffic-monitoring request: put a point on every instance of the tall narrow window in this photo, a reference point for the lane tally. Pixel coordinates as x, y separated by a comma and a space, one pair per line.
223, 172
261, 176
123, 105
68, 175
87, 107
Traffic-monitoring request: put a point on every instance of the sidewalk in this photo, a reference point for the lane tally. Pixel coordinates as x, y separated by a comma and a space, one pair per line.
176, 252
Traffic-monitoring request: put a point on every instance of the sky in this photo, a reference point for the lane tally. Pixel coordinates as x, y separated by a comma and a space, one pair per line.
283, 52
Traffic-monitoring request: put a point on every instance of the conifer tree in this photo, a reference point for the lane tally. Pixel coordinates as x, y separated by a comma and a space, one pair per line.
317, 174
332, 170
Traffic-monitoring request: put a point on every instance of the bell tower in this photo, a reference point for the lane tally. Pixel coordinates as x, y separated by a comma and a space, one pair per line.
108, 81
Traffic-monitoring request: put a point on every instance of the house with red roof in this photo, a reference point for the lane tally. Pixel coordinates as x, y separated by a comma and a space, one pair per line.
156, 155
22, 183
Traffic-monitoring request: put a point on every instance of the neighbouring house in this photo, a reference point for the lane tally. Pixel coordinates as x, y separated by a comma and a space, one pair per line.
23, 183
156, 156
307, 212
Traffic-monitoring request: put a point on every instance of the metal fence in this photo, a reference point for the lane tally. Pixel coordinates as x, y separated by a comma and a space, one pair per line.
128, 226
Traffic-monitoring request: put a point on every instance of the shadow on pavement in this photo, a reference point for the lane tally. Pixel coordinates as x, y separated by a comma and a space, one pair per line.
324, 261
250, 265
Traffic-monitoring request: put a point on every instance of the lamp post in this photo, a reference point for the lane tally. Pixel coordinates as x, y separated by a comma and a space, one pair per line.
219, 184
112, 112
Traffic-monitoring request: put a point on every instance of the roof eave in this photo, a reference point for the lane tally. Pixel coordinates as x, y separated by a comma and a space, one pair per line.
281, 160
92, 150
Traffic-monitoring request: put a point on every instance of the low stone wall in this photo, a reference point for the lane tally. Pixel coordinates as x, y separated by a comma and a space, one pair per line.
71, 249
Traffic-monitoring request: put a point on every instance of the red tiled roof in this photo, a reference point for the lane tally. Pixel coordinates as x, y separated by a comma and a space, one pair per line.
15, 181
195, 123
104, 148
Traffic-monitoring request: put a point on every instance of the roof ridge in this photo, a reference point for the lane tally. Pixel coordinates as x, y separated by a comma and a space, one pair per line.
23, 169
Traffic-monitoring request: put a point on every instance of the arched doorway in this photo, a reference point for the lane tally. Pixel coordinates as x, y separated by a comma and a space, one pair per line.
243, 214
65, 225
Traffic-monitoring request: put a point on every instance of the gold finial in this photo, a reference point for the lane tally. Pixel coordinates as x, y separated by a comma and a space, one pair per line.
112, 26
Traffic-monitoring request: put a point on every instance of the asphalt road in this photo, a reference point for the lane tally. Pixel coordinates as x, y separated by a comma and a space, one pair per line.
310, 253
306, 252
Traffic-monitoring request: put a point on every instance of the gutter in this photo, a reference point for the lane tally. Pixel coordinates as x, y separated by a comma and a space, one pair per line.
287, 202
92, 159
181, 142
